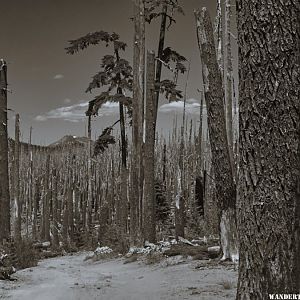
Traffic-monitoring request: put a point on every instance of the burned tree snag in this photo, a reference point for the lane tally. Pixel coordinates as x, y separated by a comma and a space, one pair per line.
222, 164
4, 182
150, 220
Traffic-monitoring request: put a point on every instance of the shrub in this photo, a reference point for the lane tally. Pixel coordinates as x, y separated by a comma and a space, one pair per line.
25, 254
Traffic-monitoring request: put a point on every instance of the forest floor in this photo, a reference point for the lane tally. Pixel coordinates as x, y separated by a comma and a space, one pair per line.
73, 277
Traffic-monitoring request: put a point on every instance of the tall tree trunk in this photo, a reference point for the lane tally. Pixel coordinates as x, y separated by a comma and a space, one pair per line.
150, 220
269, 195
36, 201
124, 170
88, 218
228, 72
181, 192
200, 178
124, 179
219, 36
161, 44
46, 205
222, 164
30, 183
71, 211
17, 200
4, 182
65, 218
164, 162
55, 209
138, 114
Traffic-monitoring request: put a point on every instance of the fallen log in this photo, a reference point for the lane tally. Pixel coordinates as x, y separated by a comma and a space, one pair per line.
5, 272
196, 252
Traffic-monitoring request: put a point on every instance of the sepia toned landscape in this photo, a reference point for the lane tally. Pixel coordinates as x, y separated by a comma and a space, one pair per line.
149, 149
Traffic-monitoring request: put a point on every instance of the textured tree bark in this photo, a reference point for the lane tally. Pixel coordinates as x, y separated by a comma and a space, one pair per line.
4, 182
138, 114
219, 36
150, 220
269, 199
17, 200
228, 75
222, 164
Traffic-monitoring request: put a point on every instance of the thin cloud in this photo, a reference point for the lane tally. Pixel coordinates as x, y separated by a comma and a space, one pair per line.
58, 76
76, 113
191, 107
67, 101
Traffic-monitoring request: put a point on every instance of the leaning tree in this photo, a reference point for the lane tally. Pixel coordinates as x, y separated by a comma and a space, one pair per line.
269, 199
221, 158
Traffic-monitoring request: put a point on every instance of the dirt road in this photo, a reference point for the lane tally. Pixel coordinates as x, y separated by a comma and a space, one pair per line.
72, 278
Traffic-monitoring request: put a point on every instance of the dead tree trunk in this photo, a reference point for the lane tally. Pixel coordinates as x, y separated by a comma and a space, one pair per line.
219, 36
269, 194
88, 218
138, 116
214, 96
124, 176
161, 43
228, 72
150, 222
46, 202
200, 178
17, 200
4, 182
30, 183
35, 209
124, 170
55, 209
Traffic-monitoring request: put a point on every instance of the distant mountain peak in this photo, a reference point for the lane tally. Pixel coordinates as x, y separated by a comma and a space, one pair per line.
70, 140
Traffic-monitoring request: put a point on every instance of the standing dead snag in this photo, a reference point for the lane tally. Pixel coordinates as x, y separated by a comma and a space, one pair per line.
17, 200
30, 183
55, 230
4, 182
200, 174
150, 220
268, 206
45, 235
219, 36
214, 96
88, 218
161, 43
228, 76
137, 119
